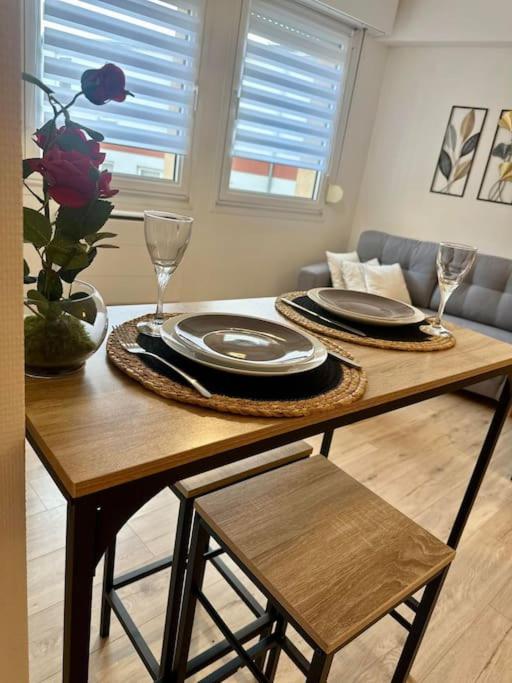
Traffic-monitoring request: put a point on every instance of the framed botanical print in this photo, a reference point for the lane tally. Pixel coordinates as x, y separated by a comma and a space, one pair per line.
496, 185
458, 150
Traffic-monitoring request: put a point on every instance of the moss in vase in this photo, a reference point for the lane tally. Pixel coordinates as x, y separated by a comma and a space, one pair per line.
57, 342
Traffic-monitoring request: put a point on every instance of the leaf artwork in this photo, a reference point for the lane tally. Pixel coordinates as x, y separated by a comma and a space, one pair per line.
467, 125
470, 145
451, 137
496, 185
506, 121
462, 169
445, 164
459, 146
502, 150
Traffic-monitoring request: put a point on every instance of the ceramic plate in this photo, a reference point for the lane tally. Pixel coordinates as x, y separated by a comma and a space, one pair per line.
243, 344
362, 307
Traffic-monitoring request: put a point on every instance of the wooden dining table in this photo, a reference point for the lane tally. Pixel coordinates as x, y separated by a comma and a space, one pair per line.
111, 445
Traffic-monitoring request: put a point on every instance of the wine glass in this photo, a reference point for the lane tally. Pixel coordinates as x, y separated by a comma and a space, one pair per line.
453, 263
167, 238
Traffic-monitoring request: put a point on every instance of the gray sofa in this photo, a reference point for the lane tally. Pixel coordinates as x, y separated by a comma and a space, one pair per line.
483, 302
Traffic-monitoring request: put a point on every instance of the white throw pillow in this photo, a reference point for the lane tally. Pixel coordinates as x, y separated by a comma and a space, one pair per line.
384, 280
335, 263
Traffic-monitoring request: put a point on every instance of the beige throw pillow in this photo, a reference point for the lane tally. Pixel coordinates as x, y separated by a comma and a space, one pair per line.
335, 263
383, 280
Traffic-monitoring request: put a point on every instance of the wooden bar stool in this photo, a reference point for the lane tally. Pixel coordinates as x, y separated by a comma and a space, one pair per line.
330, 556
187, 491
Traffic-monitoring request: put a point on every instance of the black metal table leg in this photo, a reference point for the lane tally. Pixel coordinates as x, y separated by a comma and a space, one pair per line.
326, 443
194, 582
320, 667
108, 581
482, 463
80, 565
418, 627
179, 568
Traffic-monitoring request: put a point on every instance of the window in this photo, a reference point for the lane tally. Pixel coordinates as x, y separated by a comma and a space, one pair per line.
287, 102
157, 43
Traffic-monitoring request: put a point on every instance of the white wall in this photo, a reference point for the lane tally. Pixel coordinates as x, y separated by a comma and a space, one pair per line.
453, 21
420, 85
379, 14
237, 252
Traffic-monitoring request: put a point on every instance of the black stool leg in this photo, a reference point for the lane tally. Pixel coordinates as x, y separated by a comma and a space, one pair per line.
108, 580
194, 582
178, 571
259, 660
275, 652
419, 626
320, 667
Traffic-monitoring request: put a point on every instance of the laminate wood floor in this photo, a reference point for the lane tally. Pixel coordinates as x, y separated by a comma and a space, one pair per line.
418, 459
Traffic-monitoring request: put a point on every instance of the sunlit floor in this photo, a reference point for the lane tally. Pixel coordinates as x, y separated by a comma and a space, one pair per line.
418, 459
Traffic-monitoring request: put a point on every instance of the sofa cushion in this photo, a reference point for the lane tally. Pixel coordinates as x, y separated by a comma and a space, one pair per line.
486, 294
417, 259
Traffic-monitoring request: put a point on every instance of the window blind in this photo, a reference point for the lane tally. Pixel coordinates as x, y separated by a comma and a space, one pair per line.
291, 85
155, 42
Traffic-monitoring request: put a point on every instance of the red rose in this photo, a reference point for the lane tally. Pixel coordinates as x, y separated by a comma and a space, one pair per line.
104, 181
102, 85
71, 178
69, 138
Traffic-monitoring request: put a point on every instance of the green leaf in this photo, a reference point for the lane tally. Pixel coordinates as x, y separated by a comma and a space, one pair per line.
27, 169
69, 142
92, 239
67, 254
35, 81
50, 285
81, 306
36, 228
27, 277
39, 300
69, 275
75, 224
90, 132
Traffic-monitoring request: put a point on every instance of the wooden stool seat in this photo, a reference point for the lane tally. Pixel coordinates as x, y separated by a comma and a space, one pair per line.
333, 554
221, 477
186, 490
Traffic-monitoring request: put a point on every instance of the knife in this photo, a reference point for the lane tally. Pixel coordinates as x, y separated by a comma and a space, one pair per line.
342, 326
347, 361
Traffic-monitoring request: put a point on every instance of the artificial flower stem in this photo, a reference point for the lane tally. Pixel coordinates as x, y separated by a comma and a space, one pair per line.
34, 194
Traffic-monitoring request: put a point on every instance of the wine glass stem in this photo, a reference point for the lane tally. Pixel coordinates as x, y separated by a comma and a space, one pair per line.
445, 294
163, 275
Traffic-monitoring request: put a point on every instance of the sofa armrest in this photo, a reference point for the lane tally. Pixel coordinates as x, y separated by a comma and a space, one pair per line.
315, 275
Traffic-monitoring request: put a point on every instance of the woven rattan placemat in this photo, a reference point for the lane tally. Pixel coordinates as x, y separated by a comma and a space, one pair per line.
405, 338
232, 393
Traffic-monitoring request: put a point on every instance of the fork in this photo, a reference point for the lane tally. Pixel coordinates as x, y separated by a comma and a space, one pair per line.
134, 347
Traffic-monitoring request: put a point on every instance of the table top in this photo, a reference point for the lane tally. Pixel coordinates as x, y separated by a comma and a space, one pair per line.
97, 428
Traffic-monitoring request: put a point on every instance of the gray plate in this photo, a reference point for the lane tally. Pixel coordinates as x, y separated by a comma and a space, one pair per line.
362, 307
243, 344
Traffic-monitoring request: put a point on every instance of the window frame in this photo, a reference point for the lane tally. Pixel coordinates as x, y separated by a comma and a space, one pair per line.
129, 184
258, 200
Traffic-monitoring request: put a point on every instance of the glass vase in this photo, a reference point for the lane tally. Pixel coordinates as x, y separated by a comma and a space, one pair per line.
61, 335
